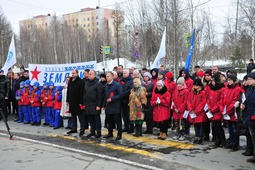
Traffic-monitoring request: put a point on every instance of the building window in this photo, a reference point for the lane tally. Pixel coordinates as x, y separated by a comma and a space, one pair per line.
88, 30
76, 19
97, 17
88, 25
84, 25
88, 19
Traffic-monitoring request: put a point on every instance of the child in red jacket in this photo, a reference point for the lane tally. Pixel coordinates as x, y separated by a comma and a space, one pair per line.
196, 102
58, 121
36, 104
214, 93
179, 106
230, 101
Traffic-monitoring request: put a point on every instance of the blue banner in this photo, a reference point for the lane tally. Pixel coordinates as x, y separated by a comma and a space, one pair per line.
191, 49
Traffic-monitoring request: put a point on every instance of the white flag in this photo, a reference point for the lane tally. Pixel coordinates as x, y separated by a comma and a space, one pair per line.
11, 57
161, 52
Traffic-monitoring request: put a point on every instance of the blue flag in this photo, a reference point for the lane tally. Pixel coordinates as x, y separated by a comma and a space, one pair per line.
189, 57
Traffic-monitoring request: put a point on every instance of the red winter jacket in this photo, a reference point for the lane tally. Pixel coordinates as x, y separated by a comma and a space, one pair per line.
58, 101
19, 94
25, 97
189, 83
229, 97
180, 102
50, 98
35, 98
171, 87
43, 95
161, 111
214, 101
196, 103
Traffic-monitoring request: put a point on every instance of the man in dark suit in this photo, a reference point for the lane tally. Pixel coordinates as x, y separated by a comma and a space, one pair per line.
75, 101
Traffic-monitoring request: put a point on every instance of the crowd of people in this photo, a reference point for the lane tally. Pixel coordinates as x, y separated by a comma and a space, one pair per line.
208, 100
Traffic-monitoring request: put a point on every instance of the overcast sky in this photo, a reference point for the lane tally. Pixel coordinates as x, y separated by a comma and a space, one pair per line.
16, 10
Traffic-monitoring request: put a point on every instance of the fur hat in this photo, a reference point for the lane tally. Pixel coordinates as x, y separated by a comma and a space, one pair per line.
147, 74
161, 83
232, 77
251, 75
180, 80
103, 75
216, 78
169, 75
198, 82
208, 72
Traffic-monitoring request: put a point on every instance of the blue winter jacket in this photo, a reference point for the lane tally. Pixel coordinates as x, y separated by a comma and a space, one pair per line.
250, 106
113, 91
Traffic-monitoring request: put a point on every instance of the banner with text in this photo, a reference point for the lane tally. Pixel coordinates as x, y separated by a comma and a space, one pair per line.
57, 73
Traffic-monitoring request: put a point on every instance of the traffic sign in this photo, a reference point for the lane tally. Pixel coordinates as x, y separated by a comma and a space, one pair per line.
107, 49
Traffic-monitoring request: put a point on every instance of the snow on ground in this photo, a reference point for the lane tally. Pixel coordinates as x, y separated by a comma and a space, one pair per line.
109, 64
216, 63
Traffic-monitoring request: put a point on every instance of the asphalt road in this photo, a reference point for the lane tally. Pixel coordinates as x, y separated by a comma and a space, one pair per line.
45, 148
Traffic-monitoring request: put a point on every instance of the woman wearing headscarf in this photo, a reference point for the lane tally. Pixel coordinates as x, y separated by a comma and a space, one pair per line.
137, 103
160, 102
149, 85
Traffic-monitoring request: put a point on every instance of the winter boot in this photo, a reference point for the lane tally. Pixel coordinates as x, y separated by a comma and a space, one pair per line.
252, 159
163, 137
136, 130
140, 127
160, 135
98, 135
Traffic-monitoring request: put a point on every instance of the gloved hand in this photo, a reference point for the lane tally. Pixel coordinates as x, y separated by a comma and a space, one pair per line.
82, 107
237, 103
158, 101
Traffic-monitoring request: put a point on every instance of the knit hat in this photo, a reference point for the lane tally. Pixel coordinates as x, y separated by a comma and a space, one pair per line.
163, 73
103, 75
252, 75
180, 80
200, 74
160, 82
169, 75
245, 77
59, 88
147, 74
232, 77
216, 78
208, 72
198, 82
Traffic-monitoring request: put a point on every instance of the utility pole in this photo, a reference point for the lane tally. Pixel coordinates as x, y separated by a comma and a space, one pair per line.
175, 38
237, 10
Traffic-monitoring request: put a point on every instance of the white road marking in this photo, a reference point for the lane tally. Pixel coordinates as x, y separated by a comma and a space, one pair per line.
86, 152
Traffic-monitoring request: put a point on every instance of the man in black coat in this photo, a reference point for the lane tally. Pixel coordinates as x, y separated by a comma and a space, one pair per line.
127, 84
112, 106
15, 86
250, 66
74, 100
92, 100
86, 78
4, 92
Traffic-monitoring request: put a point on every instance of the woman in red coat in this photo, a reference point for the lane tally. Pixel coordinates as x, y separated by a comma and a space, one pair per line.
179, 105
188, 81
213, 101
160, 102
196, 102
230, 101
